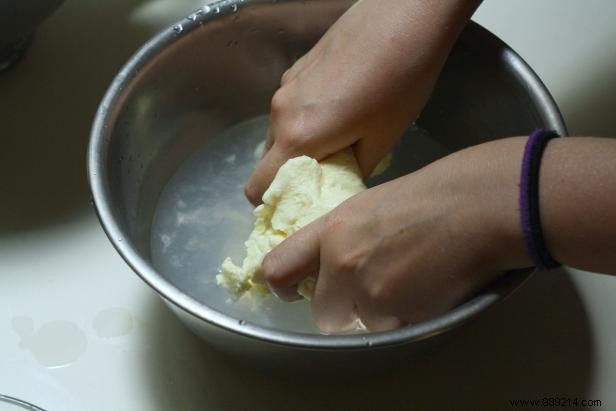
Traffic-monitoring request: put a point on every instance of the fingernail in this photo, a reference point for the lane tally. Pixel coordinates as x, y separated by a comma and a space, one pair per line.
286, 294
330, 326
250, 194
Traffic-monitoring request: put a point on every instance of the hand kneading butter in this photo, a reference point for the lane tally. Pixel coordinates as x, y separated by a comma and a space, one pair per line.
302, 191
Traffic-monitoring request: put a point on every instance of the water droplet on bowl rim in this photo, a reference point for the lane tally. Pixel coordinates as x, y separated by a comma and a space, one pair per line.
367, 342
193, 16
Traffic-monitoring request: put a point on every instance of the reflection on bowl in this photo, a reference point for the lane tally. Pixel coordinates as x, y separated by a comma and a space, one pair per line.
171, 147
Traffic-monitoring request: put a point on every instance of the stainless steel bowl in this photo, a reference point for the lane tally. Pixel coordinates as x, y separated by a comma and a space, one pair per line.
8, 403
186, 88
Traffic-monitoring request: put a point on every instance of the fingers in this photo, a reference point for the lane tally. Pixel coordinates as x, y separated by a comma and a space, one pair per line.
369, 152
265, 172
292, 71
375, 321
338, 303
269, 141
333, 309
293, 260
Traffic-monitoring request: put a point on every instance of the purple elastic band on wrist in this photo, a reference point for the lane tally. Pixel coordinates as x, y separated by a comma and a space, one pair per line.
529, 200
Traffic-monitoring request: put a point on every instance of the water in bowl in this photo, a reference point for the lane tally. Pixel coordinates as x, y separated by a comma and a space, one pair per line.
202, 217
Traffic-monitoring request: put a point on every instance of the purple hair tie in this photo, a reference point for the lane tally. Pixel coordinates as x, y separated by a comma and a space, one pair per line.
529, 200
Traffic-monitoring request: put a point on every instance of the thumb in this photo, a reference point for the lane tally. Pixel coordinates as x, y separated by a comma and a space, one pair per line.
369, 152
293, 260
265, 172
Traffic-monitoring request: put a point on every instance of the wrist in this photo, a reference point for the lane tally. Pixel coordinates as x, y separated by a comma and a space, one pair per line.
493, 186
508, 154
577, 198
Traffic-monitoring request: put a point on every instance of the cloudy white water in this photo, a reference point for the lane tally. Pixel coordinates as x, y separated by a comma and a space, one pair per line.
203, 217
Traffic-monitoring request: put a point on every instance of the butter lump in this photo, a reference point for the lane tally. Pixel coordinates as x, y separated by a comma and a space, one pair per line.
302, 191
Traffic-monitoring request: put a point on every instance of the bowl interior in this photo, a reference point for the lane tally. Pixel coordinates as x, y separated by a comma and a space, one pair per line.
202, 217
176, 135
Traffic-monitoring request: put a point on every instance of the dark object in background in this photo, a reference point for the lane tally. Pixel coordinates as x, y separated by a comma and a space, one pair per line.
18, 20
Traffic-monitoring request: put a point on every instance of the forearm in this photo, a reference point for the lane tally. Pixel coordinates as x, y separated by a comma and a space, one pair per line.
577, 199
409, 40
433, 24
430, 28
578, 202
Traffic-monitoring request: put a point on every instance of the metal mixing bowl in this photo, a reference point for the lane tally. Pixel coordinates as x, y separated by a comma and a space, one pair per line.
187, 90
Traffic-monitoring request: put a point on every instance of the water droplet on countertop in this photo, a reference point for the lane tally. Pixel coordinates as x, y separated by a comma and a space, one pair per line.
216, 10
23, 326
178, 28
113, 322
234, 8
242, 322
55, 344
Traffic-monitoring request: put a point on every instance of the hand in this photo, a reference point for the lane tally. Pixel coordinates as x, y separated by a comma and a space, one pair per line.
362, 84
413, 248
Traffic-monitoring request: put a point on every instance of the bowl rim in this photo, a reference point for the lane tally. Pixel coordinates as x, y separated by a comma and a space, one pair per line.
7, 399
97, 169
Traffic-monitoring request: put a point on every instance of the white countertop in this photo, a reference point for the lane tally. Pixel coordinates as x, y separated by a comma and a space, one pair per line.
80, 331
